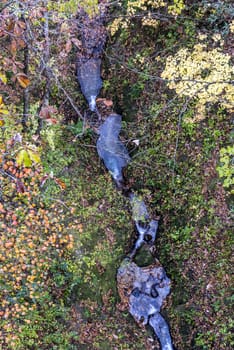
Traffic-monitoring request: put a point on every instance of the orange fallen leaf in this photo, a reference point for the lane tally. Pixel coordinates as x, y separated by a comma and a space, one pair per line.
108, 103
61, 184
9, 244
23, 80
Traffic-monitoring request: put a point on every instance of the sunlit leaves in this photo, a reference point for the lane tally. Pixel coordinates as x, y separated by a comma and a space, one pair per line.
27, 157
203, 74
23, 158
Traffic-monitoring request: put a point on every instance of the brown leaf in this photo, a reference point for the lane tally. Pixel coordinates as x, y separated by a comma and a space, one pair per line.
44, 179
61, 184
20, 186
47, 111
76, 42
52, 121
13, 47
108, 103
19, 28
68, 46
23, 80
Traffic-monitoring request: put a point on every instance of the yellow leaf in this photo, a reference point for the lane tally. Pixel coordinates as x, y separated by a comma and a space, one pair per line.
34, 156
23, 158
3, 78
1, 122
23, 80
2, 107
3, 111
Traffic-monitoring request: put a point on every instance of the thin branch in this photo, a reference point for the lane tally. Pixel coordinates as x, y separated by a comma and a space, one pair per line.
26, 90
6, 5
68, 97
46, 69
5, 173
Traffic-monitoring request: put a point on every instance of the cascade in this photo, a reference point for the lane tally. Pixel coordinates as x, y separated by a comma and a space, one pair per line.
142, 289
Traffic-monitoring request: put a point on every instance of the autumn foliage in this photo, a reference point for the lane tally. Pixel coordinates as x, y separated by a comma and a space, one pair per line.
167, 67
33, 237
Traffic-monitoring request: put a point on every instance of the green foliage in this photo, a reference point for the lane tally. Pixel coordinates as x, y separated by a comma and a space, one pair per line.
225, 169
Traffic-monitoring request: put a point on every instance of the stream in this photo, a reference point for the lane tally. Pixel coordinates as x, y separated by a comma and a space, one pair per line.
142, 289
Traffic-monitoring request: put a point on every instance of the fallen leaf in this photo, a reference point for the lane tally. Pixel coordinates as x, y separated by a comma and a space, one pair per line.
76, 42
20, 186
13, 47
46, 112
108, 103
52, 121
23, 80
61, 184
68, 46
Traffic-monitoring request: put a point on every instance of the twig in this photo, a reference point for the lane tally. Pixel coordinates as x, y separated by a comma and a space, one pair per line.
68, 96
6, 5
5, 173
46, 69
26, 90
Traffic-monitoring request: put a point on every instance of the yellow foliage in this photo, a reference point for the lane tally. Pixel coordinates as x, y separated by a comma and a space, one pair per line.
28, 156
176, 8
3, 78
202, 74
133, 7
149, 21
3, 110
90, 6
71, 6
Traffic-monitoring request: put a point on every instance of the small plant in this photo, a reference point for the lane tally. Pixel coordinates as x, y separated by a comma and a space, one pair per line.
225, 169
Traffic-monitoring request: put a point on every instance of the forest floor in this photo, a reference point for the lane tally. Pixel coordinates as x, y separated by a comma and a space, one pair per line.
65, 227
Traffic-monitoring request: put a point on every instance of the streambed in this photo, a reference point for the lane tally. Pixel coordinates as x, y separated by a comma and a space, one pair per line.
142, 289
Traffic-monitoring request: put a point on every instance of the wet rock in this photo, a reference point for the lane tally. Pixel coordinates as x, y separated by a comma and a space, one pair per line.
154, 292
111, 150
150, 235
146, 228
161, 329
142, 291
89, 77
145, 279
140, 213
